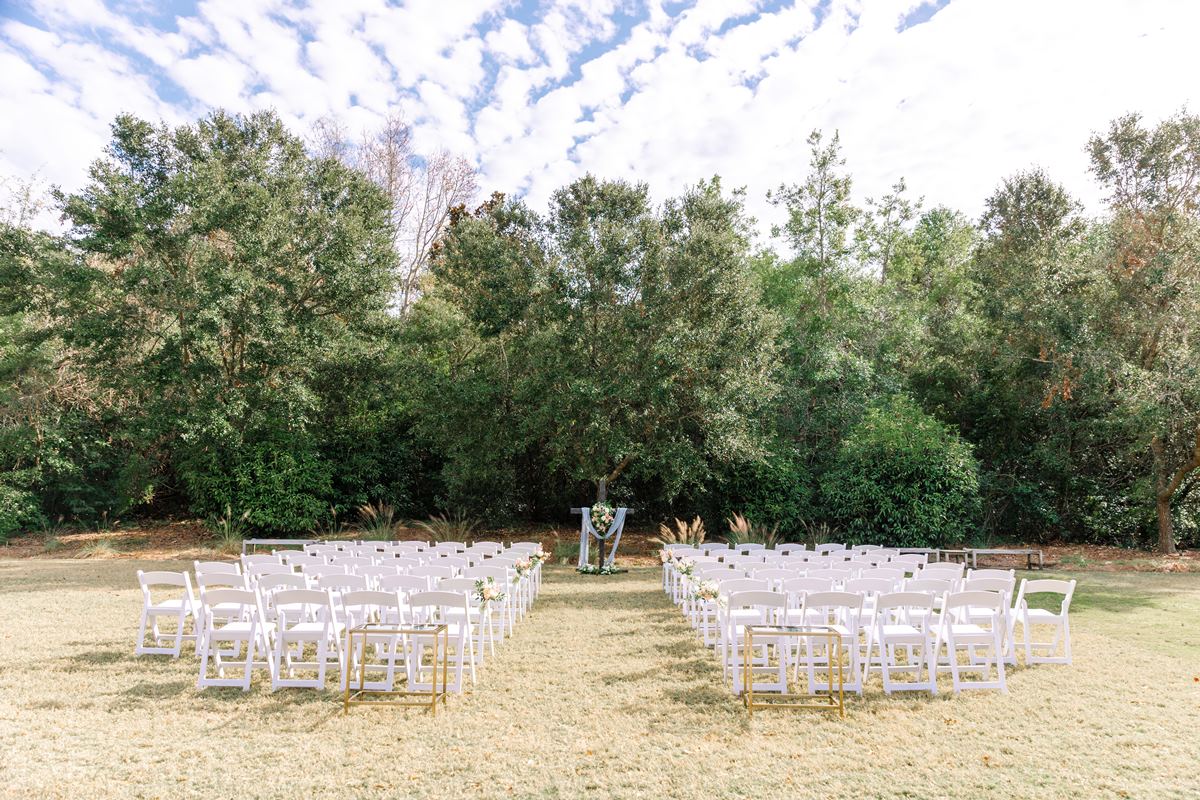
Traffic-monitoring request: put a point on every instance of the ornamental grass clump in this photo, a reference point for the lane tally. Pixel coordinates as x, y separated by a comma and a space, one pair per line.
743, 531
449, 526
228, 530
689, 533
377, 520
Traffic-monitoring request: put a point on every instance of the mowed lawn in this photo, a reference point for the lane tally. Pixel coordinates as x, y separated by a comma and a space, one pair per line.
603, 692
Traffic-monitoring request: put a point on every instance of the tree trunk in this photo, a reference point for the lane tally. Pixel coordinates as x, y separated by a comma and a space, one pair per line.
1165, 486
1166, 527
601, 496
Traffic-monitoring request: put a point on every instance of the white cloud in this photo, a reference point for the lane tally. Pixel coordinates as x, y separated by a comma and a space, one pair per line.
982, 88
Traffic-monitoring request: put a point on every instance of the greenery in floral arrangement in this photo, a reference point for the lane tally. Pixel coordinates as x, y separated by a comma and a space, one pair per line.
605, 569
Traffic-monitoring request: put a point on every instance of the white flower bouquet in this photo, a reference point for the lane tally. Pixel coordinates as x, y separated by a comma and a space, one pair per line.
706, 591
602, 516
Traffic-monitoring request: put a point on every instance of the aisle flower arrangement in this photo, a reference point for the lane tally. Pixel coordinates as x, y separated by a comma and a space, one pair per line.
523, 567
707, 592
487, 592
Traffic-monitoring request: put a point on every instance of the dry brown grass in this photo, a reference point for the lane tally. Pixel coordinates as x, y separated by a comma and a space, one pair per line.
604, 692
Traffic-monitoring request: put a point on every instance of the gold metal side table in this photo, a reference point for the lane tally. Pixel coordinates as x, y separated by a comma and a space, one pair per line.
830, 701
440, 634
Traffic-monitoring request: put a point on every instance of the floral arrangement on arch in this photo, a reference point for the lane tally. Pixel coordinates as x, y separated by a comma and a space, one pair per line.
487, 592
602, 516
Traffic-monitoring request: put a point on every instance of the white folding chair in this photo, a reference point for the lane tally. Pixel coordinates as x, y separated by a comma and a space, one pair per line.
502, 577
964, 626
215, 580
841, 613
305, 617
259, 560
1045, 652
353, 562
479, 616
373, 574
313, 573
255, 572
433, 573
452, 609
234, 618
217, 567
180, 608
374, 652
902, 619
769, 657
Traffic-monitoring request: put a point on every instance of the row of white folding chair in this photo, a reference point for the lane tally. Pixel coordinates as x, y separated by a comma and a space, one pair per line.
236, 622
517, 593
471, 631
903, 620
340, 579
995, 612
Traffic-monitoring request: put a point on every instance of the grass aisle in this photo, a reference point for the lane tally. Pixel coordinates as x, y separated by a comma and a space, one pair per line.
604, 692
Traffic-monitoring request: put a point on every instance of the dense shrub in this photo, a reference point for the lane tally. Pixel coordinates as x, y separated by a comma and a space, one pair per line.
18, 510
777, 491
282, 482
902, 478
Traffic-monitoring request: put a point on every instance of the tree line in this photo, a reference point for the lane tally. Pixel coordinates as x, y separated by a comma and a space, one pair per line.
239, 320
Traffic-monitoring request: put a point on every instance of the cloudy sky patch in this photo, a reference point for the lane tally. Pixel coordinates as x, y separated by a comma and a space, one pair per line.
951, 94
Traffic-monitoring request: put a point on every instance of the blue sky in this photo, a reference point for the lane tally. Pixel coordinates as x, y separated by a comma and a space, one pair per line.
950, 94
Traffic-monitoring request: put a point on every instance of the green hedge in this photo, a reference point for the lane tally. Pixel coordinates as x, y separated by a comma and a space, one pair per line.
904, 479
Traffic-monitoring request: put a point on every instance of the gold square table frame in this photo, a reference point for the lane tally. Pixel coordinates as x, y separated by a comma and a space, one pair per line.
816, 702
427, 700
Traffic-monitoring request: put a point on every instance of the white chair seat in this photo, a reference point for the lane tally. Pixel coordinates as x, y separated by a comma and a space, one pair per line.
240, 630
169, 606
1038, 615
903, 634
310, 631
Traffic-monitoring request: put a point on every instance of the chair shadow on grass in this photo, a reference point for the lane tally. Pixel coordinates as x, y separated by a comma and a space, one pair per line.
99, 658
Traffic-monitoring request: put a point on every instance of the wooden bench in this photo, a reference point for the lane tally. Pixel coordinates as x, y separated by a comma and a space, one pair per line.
254, 544
975, 552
